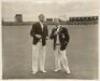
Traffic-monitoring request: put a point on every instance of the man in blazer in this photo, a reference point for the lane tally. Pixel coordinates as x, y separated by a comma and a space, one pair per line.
60, 37
39, 33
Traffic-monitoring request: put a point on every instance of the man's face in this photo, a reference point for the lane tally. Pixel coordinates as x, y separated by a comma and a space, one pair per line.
41, 18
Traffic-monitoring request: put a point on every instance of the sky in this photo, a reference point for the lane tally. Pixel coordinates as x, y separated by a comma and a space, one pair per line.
50, 8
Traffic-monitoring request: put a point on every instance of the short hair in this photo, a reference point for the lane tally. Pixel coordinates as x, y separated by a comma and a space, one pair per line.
41, 15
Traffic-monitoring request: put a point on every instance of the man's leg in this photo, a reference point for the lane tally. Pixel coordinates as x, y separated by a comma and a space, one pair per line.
57, 60
35, 55
42, 58
64, 61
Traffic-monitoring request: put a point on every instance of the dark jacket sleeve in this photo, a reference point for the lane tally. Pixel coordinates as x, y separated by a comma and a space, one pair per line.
47, 31
67, 38
52, 34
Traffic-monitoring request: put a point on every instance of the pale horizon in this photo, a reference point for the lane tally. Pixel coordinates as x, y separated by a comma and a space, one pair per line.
31, 9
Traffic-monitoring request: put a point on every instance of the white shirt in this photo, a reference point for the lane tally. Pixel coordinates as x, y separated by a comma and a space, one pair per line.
41, 25
58, 42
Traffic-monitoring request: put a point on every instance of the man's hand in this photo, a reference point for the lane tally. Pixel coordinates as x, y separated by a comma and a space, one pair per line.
38, 36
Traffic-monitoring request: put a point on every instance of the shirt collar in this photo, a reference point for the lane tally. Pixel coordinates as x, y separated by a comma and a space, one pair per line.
41, 23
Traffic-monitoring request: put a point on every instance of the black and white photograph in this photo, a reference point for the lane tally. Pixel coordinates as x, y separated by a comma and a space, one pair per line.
50, 39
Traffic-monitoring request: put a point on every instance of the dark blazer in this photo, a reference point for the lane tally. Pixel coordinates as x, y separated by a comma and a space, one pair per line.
36, 29
63, 37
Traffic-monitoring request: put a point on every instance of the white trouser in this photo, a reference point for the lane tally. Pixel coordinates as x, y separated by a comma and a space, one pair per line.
38, 57
61, 59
